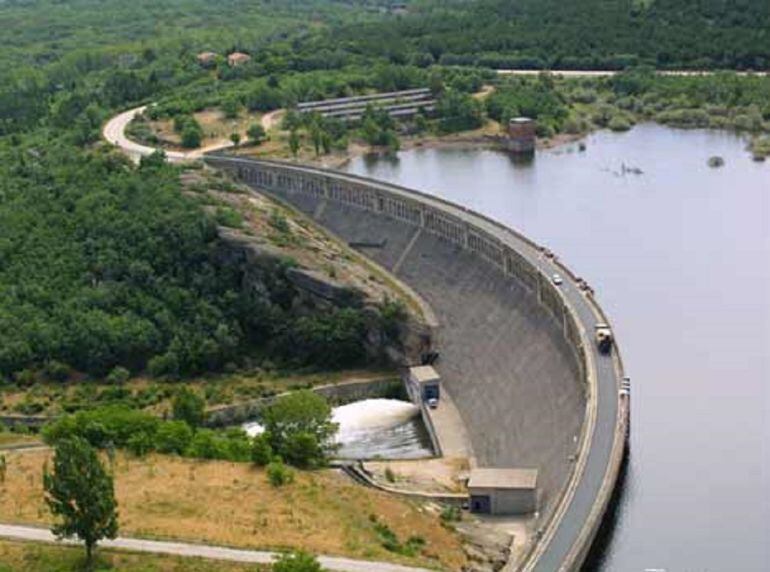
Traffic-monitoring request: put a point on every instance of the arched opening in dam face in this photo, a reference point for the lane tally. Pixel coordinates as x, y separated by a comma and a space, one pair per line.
376, 428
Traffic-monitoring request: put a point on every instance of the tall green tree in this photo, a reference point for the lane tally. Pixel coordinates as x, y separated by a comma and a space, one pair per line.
81, 493
294, 142
300, 428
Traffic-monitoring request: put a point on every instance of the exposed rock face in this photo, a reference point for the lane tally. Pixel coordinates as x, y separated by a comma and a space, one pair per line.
265, 270
324, 289
487, 547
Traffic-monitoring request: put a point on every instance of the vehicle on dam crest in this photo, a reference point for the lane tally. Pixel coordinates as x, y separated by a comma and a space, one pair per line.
603, 338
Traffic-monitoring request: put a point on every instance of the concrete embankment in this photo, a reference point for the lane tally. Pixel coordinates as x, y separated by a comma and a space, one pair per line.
516, 352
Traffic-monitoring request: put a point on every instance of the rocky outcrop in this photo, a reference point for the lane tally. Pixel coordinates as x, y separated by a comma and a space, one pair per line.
487, 547
265, 269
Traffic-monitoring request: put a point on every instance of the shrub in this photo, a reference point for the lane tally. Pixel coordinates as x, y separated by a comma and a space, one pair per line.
111, 425
279, 222
297, 562
261, 451
237, 445
188, 406
451, 513
57, 371
191, 137
205, 445
173, 437
229, 217
232, 445
334, 339
303, 450
300, 428
619, 123
279, 474
584, 95
256, 133
390, 542
118, 375
164, 365
141, 443
231, 107
684, 117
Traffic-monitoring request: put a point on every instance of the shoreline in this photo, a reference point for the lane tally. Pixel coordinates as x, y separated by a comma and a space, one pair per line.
471, 141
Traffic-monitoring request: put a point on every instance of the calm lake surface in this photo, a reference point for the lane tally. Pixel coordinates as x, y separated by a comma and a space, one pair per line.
679, 256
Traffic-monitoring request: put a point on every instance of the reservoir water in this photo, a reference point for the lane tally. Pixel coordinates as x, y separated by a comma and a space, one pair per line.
679, 255
374, 428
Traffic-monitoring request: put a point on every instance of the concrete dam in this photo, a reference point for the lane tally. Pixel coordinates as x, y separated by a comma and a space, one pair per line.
517, 351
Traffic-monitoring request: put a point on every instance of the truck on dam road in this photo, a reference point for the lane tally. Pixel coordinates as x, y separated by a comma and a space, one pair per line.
603, 338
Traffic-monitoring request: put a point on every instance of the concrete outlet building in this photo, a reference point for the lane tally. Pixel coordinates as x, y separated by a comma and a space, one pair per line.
503, 491
424, 383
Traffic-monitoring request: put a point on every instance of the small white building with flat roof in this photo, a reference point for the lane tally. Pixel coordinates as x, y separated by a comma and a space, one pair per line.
503, 491
424, 383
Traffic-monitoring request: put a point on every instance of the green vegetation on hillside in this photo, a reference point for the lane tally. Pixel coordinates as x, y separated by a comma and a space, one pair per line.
104, 265
581, 34
108, 270
722, 101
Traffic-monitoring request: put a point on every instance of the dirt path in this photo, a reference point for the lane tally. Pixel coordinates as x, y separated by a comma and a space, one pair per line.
35, 534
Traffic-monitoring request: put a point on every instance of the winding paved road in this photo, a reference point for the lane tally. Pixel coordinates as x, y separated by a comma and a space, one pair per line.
114, 131
35, 534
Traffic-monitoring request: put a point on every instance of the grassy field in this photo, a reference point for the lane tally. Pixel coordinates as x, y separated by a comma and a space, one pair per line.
216, 127
232, 504
29, 557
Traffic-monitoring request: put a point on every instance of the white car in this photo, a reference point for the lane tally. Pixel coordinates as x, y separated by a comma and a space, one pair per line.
556, 279
433, 403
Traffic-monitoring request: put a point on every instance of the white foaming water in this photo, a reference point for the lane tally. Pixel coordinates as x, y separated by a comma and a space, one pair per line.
370, 414
372, 427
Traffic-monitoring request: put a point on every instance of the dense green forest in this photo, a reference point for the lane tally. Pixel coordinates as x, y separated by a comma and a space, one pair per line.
103, 264
581, 34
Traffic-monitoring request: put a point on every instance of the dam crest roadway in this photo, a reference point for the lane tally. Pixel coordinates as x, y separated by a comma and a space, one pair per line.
518, 356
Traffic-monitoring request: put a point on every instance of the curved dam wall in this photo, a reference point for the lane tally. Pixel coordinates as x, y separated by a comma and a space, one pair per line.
516, 355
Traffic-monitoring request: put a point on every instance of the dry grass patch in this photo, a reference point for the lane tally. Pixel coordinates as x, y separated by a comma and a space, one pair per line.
216, 127
233, 504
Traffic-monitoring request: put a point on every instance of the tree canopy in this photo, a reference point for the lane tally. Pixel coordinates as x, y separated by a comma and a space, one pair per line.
81, 493
300, 428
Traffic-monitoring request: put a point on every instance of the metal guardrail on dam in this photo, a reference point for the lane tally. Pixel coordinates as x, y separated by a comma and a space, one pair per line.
565, 538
